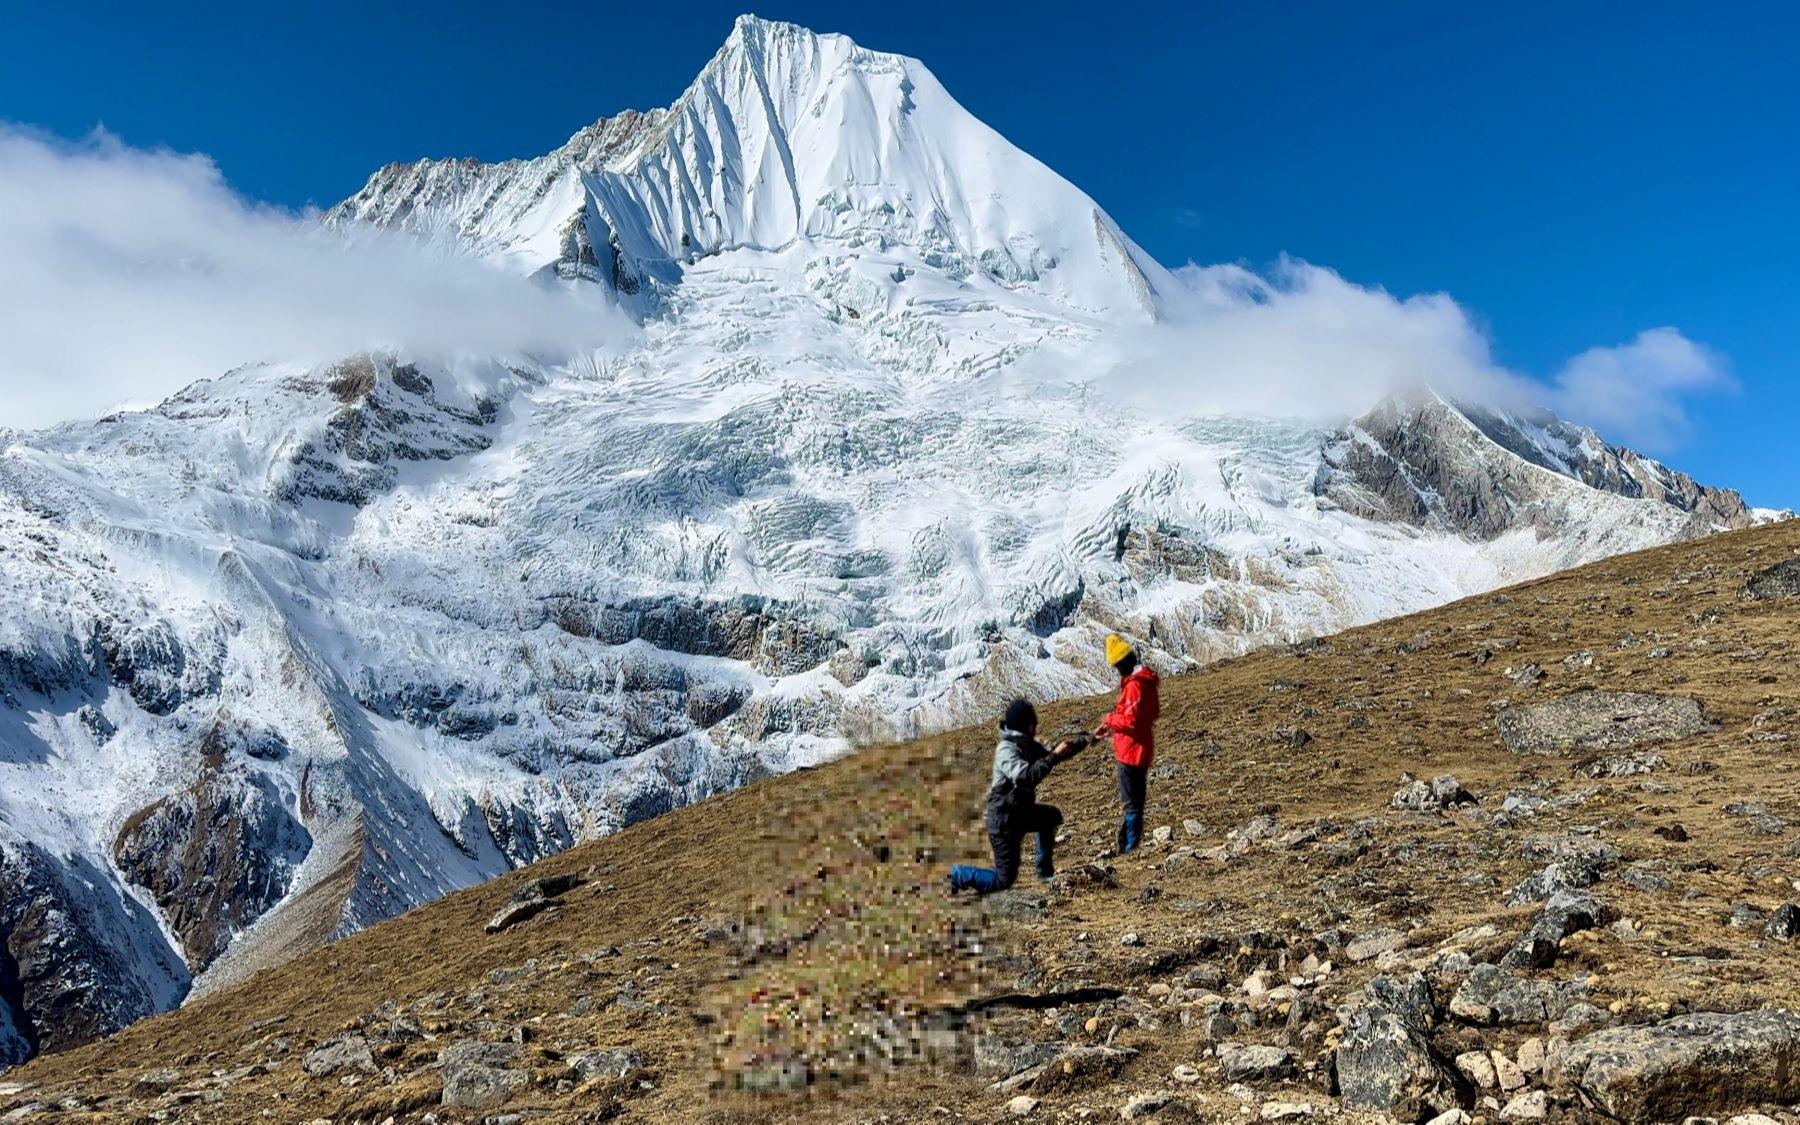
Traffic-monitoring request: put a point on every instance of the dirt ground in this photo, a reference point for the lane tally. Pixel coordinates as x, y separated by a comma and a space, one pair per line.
788, 951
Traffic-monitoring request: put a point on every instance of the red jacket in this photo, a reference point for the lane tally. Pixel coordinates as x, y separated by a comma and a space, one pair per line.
1133, 720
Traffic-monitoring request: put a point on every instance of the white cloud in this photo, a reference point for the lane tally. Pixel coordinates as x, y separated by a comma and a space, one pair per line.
1637, 388
126, 274
1301, 341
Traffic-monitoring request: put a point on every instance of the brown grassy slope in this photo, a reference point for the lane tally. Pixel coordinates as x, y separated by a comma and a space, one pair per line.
801, 923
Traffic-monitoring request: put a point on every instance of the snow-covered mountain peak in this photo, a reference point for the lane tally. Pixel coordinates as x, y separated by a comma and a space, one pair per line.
786, 139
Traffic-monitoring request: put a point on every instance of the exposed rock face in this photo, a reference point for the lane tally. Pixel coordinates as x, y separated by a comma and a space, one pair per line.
214, 857
1700, 1064
389, 415
1599, 720
78, 959
1420, 460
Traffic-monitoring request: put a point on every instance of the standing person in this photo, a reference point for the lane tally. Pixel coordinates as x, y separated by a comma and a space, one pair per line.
1020, 762
1132, 725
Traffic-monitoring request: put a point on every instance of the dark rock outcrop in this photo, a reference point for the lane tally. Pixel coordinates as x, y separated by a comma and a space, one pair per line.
215, 857
1386, 1061
67, 936
1700, 1064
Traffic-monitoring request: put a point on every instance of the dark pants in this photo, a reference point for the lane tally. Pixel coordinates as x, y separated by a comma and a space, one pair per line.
1133, 782
1007, 834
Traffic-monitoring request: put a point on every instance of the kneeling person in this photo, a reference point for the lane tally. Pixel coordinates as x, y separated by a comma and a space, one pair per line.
1013, 813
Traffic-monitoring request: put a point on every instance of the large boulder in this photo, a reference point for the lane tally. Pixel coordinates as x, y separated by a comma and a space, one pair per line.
1779, 581
1385, 1060
1700, 1064
1599, 720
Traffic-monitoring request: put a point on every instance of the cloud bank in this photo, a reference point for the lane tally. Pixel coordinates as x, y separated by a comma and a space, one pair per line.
1301, 341
126, 274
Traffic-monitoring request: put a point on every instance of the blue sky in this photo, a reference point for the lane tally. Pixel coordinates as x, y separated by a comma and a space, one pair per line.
1571, 173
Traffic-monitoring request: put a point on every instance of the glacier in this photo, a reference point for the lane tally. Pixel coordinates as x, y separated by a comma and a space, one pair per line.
305, 646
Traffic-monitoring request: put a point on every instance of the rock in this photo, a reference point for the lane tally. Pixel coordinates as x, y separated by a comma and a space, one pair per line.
1507, 1073
1256, 1064
1286, 1111
1186, 1075
1022, 1105
1450, 1117
1779, 581
1578, 1020
1625, 765
1784, 924
1751, 1119
1386, 1064
994, 1055
1369, 946
1019, 905
1527, 676
513, 913
1478, 1068
1601, 720
1531, 1056
1565, 875
1162, 835
1071, 1063
1408, 997
1131, 939
1443, 792
345, 1053
475, 1074
1493, 995
1145, 1105
1533, 1106
1566, 913
1743, 916
617, 1062
1694, 1064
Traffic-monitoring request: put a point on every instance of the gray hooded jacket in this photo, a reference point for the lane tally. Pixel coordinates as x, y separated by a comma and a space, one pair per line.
1020, 762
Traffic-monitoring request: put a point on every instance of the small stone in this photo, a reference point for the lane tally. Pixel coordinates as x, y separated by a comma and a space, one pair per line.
1371, 945
1185, 1074
1256, 1064
1533, 1106
1450, 1117
1092, 1025
620, 1062
1751, 1119
1784, 923
1162, 835
1478, 1068
349, 1052
1193, 828
1286, 1111
1131, 939
1532, 1055
1508, 1073
1145, 1105
1022, 1105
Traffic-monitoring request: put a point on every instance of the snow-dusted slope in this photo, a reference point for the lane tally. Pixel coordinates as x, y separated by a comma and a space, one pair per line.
302, 647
